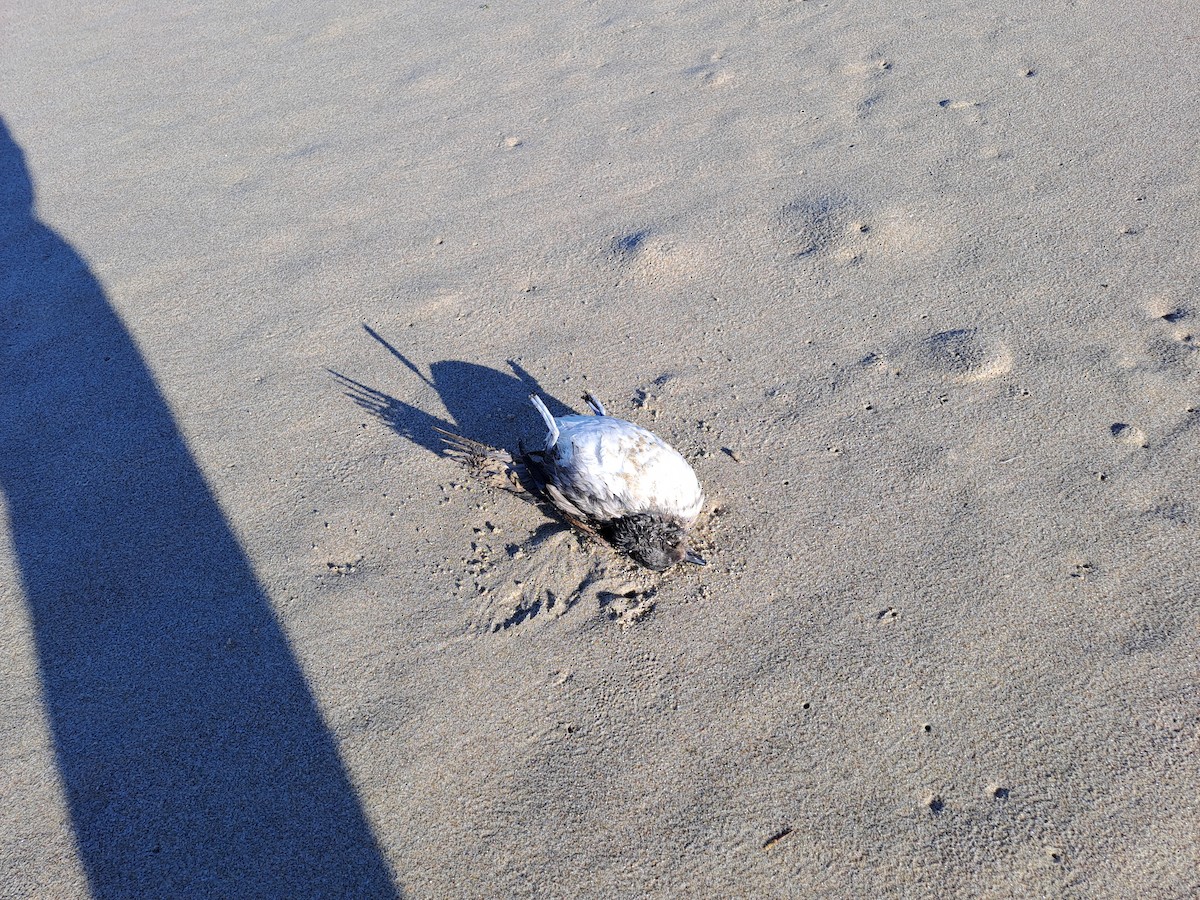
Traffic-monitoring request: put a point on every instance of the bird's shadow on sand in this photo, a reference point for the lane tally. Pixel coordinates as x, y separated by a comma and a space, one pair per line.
483, 404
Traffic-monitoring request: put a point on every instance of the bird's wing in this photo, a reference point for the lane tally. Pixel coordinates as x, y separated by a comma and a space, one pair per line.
496, 466
541, 477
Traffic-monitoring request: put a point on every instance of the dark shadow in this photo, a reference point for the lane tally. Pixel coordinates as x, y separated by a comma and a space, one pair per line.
193, 757
484, 404
629, 244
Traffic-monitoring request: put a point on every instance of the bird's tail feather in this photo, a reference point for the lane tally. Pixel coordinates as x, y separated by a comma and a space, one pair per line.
551, 425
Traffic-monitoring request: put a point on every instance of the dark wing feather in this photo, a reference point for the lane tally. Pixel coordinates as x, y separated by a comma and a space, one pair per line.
496, 465
541, 470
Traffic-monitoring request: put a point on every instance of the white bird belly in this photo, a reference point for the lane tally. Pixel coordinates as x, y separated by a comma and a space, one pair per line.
611, 468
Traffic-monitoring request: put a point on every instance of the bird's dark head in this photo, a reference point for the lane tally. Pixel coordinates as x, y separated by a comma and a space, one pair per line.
653, 541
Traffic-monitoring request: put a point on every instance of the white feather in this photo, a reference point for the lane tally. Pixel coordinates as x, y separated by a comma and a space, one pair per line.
612, 468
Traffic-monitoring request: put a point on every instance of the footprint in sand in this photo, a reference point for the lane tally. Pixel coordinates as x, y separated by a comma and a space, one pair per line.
959, 356
831, 226
1128, 435
868, 74
711, 72
967, 112
651, 254
824, 225
809, 226
1181, 322
1171, 511
1166, 344
625, 248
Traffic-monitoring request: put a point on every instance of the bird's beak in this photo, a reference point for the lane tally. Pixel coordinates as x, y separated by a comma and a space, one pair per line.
695, 558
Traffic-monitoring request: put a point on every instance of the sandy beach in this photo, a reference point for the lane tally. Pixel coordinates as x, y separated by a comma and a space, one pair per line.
913, 287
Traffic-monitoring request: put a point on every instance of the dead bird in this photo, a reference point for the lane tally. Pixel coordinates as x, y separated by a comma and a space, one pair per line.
608, 477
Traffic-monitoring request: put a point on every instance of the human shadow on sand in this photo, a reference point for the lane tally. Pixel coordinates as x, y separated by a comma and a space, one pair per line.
484, 404
192, 755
